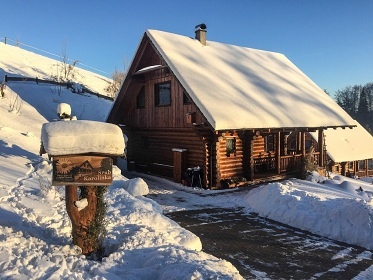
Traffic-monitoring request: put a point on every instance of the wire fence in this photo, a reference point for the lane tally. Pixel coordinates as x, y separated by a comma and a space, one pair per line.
17, 43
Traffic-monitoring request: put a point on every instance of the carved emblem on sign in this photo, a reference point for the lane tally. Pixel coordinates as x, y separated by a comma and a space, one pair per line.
82, 170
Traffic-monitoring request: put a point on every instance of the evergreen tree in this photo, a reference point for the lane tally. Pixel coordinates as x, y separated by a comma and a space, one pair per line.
363, 111
369, 93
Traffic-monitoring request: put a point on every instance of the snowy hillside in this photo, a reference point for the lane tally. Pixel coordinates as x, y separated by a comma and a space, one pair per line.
15, 61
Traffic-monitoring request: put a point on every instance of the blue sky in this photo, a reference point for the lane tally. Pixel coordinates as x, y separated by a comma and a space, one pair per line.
331, 41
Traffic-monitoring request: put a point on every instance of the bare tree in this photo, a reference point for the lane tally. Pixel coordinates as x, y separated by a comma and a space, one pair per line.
67, 68
357, 101
66, 71
117, 79
348, 99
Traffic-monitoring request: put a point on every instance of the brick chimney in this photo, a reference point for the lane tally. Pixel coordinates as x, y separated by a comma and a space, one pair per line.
200, 31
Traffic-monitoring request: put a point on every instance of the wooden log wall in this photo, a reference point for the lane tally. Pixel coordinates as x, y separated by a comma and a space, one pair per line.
152, 116
232, 165
258, 146
238, 164
151, 150
153, 131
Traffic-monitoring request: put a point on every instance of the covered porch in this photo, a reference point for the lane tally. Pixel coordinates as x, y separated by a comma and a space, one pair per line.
287, 153
264, 155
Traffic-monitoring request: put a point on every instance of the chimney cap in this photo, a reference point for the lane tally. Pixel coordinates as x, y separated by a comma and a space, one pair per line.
201, 26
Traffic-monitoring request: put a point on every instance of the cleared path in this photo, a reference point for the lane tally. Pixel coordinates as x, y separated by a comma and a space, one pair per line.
264, 249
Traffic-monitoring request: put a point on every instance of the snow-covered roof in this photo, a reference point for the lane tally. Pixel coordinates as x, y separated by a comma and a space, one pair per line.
344, 145
237, 87
81, 137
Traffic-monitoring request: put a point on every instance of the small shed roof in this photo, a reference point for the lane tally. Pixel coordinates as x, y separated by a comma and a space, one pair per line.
243, 88
345, 145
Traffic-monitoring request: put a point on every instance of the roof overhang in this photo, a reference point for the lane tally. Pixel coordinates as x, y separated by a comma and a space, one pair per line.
149, 69
287, 129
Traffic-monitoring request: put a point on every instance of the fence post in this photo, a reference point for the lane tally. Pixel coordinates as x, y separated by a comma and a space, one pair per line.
2, 89
2, 86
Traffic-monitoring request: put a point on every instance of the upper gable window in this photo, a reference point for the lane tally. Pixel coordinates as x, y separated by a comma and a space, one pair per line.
162, 94
186, 99
140, 99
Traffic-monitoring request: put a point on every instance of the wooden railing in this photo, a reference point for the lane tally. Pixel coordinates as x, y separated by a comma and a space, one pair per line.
364, 173
293, 163
288, 163
264, 164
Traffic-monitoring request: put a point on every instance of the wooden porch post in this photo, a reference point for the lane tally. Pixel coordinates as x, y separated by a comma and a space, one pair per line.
278, 152
179, 162
251, 160
303, 152
320, 143
356, 167
299, 142
366, 168
285, 144
343, 171
303, 143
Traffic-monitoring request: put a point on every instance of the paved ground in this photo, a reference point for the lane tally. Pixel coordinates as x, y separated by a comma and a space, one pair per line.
260, 248
263, 249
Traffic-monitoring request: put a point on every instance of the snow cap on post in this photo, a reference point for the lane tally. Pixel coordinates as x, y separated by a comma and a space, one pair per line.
81, 137
64, 111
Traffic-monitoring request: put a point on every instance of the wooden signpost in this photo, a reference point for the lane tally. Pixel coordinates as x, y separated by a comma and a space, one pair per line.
85, 179
81, 153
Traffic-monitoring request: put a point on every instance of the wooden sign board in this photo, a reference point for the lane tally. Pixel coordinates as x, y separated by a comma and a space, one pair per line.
82, 170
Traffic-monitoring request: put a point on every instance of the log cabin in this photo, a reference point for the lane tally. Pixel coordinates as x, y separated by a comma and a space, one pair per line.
217, 115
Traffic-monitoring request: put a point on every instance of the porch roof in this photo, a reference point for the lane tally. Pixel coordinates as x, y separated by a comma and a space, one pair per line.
345, 145
243, 88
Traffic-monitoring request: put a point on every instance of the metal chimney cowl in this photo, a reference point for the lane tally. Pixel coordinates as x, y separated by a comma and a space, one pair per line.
200, 31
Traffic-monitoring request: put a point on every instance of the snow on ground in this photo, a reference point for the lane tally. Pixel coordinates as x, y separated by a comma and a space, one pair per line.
338, 208
45, 99
35, 230
141, 243
15, 61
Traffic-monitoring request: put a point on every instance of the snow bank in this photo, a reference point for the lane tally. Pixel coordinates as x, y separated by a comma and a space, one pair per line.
338, 210
136, 187
82, 136
141, 243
